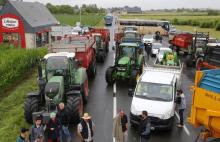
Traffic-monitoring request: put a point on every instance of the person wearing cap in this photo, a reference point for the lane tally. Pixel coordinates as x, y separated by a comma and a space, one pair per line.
62, 115
37, 130
53, 127
86, 128
181, 103
23, 135
120, 127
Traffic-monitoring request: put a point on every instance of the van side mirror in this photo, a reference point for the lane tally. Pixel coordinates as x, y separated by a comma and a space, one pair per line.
130, 92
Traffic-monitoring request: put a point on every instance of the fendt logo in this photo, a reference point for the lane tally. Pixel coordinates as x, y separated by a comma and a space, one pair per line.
9, 22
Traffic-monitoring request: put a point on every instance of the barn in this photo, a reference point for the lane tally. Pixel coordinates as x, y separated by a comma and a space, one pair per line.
26, 24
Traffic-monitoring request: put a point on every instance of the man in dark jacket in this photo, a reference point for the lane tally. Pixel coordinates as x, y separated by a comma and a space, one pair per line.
148, 48
144, 128
86, 128
23, 135
37, 130
53, 127
62, 115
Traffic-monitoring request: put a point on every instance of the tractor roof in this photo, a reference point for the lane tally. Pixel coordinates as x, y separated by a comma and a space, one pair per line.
65, 54
129, 44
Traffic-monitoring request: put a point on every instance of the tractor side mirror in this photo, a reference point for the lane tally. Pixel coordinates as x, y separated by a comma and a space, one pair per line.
130, 92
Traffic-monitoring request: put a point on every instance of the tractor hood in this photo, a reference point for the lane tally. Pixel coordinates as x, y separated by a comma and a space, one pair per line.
54, 89
124, 60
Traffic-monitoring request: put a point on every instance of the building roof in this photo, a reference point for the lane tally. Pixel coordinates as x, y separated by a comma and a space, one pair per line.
133, 9
35, 13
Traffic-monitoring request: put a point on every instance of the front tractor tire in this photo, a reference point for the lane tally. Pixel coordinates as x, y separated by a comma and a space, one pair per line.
74, 108
92, 70
134, 77
31, 105
109, 76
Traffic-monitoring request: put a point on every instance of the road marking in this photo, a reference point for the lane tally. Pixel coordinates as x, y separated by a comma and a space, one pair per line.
184, 127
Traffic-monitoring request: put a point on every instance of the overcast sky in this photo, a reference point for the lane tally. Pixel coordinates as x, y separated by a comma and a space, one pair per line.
144, 4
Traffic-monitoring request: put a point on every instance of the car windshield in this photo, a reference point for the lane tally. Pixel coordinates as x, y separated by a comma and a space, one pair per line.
57, 63
156, 46
148, 37
128, 51
152, 91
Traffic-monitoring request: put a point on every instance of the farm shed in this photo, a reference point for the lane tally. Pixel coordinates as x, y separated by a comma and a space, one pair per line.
26, 24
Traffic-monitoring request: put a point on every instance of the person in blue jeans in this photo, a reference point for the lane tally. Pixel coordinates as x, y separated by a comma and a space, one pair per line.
181, 106
62, 115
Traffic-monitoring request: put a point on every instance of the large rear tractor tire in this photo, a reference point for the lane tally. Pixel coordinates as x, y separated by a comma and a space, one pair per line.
74, 108
31, 105
92, 69
109, 76
134, 78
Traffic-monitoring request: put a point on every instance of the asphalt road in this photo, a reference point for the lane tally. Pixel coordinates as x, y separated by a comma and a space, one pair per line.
100, 106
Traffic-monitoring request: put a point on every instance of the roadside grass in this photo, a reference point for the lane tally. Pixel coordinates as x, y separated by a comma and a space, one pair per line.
11, 110
212, 32
89, 19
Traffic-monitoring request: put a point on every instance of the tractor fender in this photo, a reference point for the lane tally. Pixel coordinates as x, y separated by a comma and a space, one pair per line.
80, 76
32, 94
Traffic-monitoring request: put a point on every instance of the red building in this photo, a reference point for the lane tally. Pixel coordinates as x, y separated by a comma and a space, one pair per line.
25, 24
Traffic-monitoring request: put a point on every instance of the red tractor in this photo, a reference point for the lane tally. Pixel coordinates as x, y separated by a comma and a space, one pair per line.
102, 37
84, 49
211, 58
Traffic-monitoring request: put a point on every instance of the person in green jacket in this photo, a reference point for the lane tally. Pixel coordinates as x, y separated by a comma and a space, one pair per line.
23, 135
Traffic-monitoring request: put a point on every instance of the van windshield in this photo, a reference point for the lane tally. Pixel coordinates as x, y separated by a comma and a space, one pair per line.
152, 91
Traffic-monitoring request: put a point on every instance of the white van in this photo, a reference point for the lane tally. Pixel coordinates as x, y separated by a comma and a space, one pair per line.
155, 92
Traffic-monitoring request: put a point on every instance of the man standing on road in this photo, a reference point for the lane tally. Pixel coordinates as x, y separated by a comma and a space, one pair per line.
86, 128
23, 135
181, 101
53, 127
148, 49
62, 115
120, 127
145, 127
37, 130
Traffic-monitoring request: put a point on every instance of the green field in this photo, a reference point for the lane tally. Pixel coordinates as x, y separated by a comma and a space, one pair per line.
184, 21
89, 19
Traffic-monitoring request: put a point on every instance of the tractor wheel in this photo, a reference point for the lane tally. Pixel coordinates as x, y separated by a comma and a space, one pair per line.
134, 77
74, 108
101, 56
31, 105
85, 91
92, 69
109, 76
189, 61
199, 64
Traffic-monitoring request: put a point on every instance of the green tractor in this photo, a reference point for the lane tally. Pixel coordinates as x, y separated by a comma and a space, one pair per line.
101, 48
129, 64
60, 79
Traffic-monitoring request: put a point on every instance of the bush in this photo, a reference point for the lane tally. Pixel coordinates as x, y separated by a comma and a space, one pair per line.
15, 64
217, 28
175, 21
207, 25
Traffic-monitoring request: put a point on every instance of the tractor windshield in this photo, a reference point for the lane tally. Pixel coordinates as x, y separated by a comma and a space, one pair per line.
128, 51
57, 63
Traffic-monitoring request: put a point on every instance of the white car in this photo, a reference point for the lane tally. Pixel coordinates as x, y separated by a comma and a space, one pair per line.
162, 50
155, 48
155, 93
148, 39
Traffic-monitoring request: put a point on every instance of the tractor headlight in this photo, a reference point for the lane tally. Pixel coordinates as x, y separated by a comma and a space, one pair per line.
121, 68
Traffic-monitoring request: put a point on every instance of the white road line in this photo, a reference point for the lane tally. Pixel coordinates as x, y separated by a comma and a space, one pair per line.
114, 104
184, 127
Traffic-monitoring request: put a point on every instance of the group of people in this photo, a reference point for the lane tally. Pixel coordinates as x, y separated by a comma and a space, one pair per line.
120, 124
57, 128
120, 127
